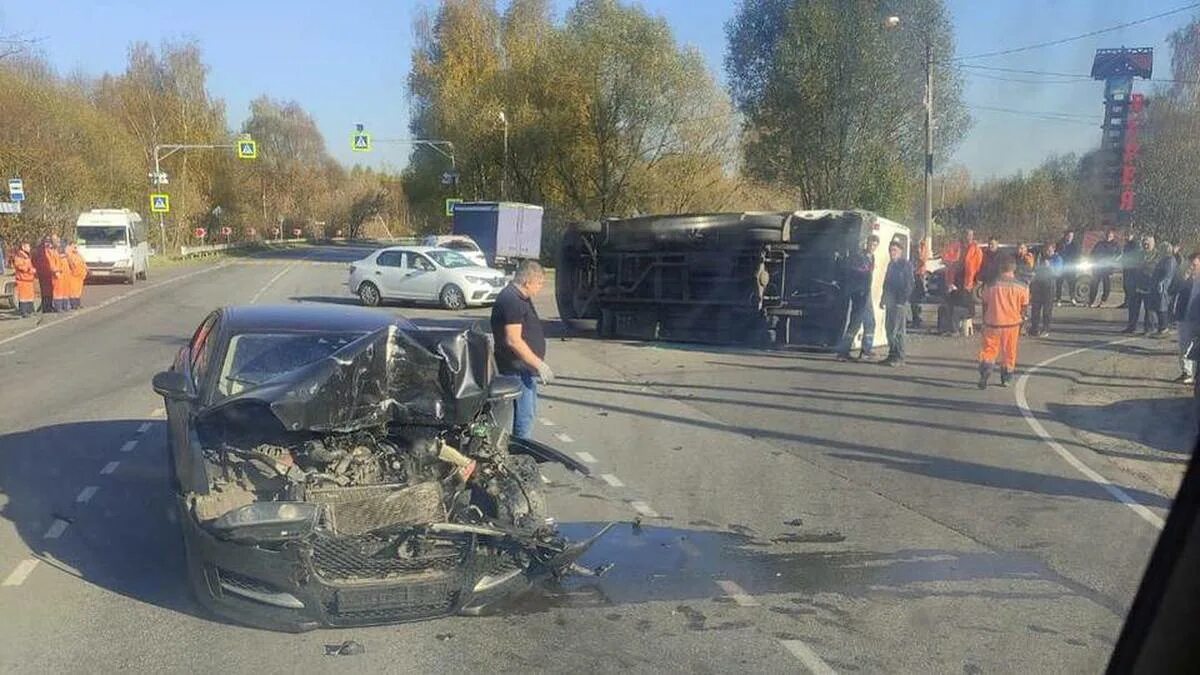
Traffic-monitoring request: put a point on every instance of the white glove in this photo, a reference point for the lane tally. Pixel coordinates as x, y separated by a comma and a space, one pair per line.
544, 373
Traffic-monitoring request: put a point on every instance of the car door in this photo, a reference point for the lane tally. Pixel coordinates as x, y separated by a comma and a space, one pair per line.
388, 274
193, 362
423, 279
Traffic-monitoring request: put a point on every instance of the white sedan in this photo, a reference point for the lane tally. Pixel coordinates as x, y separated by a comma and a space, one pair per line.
424, 273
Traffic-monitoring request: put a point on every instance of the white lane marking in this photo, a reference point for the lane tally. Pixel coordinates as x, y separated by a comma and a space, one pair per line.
611, 480
547, 423
275, 278
586, 457
86, 494
88, 310
158, 412
56, 529
8, 353
269, 284
815, 664
644, 509
544, 479
564, 438
129, 445
144, 428
110, 467
1023, 403
737, 593
21, 573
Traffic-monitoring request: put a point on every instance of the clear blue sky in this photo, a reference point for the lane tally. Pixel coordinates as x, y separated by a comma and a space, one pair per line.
347, 62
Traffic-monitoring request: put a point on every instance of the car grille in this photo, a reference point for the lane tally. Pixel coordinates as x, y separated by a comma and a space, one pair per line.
99, 265
370, 557
435, 595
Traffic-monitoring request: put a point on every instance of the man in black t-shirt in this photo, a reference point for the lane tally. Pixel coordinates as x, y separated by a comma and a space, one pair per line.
521, 343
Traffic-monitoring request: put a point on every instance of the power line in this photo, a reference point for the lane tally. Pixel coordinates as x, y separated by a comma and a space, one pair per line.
1000, 78
1081, 36
1051, 73
1053, 116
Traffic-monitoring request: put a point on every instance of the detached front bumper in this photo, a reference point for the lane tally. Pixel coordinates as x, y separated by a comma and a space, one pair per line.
337, 582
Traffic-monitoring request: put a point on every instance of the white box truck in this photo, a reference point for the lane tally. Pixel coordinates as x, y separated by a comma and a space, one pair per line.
113, 244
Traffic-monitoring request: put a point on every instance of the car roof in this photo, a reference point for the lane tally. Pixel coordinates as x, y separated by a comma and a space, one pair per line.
309, 316
414, 249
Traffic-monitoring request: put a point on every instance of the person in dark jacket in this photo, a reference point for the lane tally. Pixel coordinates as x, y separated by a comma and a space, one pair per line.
1041, 292
1071, 253
1160, 290
1129, 260
1104, 258
856, 284
990, 270
1139, 273
1188, 313
897, 291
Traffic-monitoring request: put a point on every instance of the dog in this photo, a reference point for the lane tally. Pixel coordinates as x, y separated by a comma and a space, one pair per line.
966, 327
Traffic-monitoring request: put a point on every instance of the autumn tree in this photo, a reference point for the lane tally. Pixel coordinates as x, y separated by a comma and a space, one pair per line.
832, 100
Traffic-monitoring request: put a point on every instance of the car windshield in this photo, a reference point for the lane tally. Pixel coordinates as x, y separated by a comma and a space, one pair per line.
97, 235
254, 358
450, 259
461, 245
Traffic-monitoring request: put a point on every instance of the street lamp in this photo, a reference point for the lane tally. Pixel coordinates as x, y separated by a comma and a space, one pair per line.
890, 23
504, 160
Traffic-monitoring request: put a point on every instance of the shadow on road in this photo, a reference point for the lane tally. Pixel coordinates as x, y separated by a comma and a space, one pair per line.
1164, 424
120, 539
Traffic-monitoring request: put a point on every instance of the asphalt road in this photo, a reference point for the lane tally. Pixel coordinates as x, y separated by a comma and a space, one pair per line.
798, 513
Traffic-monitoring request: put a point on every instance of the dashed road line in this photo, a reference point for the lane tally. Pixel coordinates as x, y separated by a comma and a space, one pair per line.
564, 438
611, 480
737, 593
20, 573
86, 494
644, 509
815, 664
144, 428
56, 529
129, 446
109, 468
547, 423
275, 278
586, 457
1023, 403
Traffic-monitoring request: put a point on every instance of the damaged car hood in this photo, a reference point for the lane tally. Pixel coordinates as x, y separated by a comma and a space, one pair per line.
387, 376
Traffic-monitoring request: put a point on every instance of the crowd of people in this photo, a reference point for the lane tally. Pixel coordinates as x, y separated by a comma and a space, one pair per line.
1019, 289
54, 270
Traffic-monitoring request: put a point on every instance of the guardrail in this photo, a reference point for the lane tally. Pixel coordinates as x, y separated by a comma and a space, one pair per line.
209, 249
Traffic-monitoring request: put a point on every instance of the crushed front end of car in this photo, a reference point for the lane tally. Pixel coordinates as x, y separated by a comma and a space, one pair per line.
378, 485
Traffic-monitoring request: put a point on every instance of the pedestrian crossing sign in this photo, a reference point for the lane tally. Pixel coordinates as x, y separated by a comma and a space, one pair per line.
247, 149
450, 204
160, 203
360, 141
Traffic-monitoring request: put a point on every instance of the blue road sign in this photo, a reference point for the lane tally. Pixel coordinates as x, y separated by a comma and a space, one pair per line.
16, 189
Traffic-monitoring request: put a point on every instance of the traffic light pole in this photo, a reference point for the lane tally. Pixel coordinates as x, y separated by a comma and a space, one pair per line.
159, 155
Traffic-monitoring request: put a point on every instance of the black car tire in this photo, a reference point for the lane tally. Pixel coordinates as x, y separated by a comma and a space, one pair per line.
1083, 288
368, 294
565, 274
452, 297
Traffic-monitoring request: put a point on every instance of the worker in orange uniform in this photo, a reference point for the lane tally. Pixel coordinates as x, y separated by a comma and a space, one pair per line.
920, 268
963, 260
25, 275
77, 271
1004, 305
56, 271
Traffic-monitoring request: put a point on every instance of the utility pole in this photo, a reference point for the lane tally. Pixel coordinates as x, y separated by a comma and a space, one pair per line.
928, 234
504, 159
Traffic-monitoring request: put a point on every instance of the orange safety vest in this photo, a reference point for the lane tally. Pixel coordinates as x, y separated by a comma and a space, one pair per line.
57, 269
1004, 302
79, 272
25, 275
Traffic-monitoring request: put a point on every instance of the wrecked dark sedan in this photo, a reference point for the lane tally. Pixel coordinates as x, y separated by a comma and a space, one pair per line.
337, 466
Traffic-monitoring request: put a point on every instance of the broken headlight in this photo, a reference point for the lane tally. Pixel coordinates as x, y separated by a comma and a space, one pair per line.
267, 521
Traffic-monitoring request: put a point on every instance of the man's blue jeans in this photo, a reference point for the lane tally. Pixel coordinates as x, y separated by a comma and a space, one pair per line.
525, 407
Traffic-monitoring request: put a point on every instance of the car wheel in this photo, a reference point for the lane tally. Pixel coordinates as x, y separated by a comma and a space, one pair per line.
369, 294
145, 274
1083, 289
452, 297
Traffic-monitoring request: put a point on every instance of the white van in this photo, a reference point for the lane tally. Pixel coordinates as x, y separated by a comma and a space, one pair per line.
113, 244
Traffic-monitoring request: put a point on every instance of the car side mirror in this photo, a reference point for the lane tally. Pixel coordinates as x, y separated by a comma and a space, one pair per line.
172, 384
